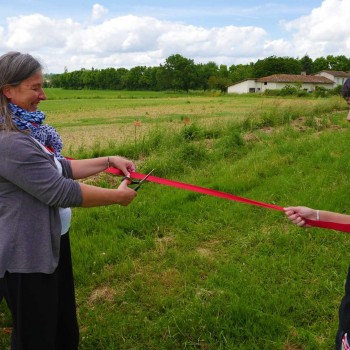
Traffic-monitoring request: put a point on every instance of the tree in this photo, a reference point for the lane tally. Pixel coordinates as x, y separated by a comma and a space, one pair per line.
276, 65
223, 71
204, 72
306, 64
181, 71
163, 77
133, 78
241, 72
89, 80
149, 78
341, 62
320, 64
220, 83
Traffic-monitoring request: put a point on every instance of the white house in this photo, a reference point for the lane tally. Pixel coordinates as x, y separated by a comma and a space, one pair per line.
243, 87
279, 81
337, 76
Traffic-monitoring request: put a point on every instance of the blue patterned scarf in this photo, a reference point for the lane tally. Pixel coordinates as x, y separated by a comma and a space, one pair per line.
44, 133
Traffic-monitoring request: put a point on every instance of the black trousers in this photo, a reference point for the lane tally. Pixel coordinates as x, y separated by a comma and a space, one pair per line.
43, 306
344, 314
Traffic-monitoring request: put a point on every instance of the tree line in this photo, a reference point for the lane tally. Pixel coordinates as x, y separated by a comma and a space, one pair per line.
181, 73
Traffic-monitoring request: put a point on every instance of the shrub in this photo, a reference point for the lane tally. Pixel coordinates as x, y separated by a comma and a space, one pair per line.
289, 90
191, 132
321, 91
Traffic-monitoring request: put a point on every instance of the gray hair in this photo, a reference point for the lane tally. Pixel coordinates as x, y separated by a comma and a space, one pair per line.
15, 67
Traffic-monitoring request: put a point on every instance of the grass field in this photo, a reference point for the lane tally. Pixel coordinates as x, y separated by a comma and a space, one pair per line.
180, 270
85, 118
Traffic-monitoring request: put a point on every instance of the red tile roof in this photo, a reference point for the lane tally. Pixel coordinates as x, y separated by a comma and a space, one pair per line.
294, 78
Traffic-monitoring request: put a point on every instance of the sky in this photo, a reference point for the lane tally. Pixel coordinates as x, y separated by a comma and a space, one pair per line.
123, 34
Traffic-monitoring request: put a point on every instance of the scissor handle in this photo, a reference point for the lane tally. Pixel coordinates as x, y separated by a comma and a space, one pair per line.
133, 182
137, 182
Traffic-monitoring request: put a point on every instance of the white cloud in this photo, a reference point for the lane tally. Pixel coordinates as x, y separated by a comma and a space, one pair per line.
226, 41
121, 34
129, 41
2, 39
280, 46
98, 11
37, 32
325, 31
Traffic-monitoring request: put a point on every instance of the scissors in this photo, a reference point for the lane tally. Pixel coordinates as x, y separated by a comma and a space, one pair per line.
138, 183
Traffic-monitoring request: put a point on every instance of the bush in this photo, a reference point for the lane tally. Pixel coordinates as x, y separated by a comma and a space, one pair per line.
321, 91
289, 90
191, 132
269, 92
335, 91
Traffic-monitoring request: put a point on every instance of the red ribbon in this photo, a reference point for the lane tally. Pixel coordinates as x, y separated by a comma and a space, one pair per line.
215, 193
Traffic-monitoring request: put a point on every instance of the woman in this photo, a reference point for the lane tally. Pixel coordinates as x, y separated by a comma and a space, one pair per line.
37, 189
298, 215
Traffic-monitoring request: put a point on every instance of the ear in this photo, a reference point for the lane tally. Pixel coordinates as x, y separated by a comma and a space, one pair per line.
6, 90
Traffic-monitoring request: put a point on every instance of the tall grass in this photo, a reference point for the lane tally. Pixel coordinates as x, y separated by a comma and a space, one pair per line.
180, 270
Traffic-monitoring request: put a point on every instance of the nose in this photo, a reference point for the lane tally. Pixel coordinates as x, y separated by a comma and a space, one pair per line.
42, 95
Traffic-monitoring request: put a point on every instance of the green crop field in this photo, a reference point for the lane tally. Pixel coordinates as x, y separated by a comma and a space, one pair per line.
181, 270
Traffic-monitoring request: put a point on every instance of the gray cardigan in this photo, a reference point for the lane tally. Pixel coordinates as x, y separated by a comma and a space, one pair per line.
31, 191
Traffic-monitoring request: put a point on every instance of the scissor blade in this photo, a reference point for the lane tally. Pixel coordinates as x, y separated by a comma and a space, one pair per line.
144, 179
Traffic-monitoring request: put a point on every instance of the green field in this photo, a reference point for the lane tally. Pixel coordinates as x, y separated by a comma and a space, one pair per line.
180, 270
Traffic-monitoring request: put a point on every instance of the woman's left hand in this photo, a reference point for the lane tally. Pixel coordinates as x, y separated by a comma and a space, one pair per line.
298, 215
123, 164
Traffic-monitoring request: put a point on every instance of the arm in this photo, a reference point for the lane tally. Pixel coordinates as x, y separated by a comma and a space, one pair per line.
34, 171
96, 196
87, 167
298, 215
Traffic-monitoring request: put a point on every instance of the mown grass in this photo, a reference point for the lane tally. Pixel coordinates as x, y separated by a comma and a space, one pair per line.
180, 270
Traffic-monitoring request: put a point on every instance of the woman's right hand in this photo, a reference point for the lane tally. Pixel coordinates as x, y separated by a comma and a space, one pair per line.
126, 193
297, 215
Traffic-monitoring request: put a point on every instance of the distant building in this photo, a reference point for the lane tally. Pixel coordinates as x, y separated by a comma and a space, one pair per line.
279, 81
337, 76
243, 87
